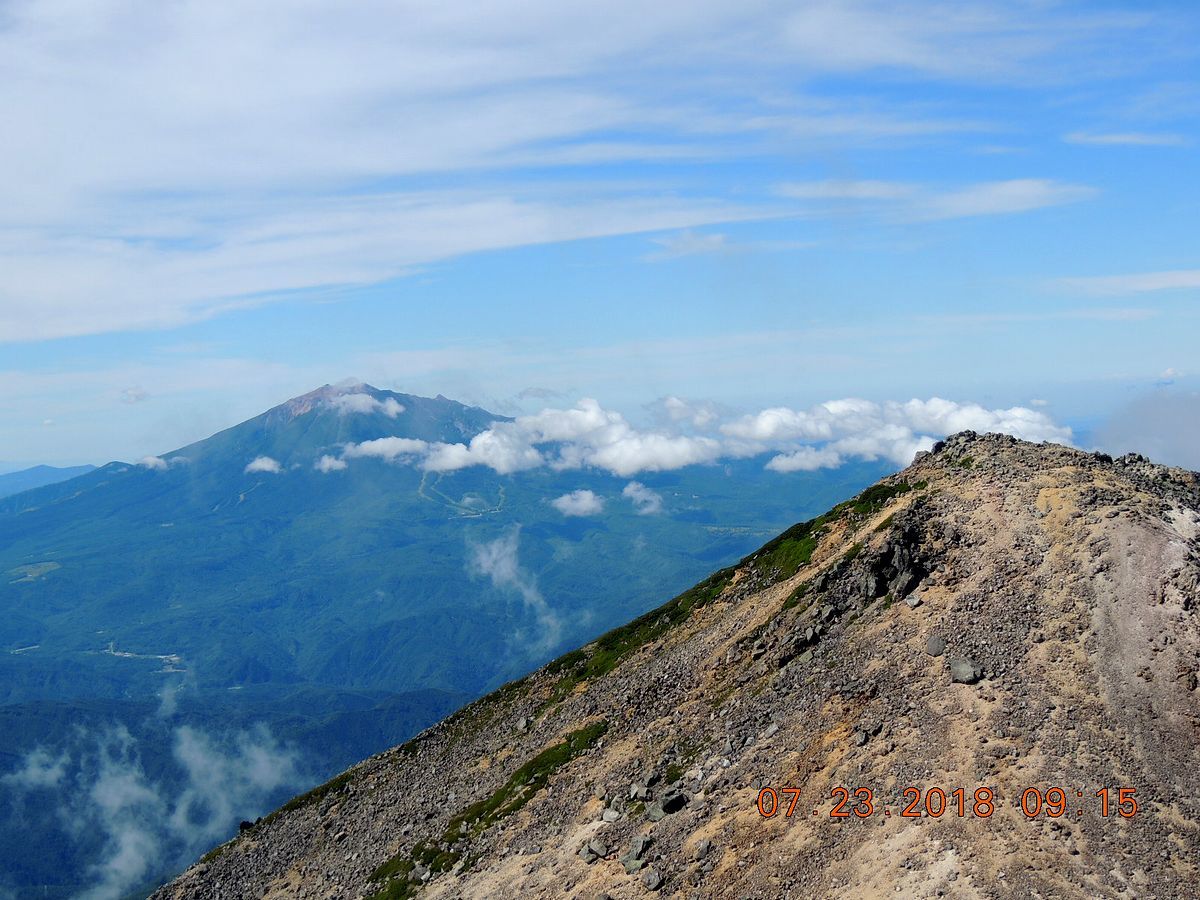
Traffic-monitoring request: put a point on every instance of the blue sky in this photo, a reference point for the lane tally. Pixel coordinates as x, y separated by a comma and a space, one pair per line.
206, 208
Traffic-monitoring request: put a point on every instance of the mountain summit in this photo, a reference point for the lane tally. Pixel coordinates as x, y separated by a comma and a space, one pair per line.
304, 577
976, 679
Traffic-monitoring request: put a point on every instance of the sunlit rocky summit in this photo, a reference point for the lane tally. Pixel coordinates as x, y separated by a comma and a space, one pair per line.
999, 617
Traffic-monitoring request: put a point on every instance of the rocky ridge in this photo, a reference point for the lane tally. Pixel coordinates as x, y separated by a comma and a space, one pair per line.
1000, 614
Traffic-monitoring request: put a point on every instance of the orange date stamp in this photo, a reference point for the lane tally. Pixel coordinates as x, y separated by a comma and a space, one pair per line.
935, 802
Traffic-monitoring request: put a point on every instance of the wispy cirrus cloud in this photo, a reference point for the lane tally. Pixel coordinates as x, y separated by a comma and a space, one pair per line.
176, 198
689, 243
1133, 283
1127, 139
904, 202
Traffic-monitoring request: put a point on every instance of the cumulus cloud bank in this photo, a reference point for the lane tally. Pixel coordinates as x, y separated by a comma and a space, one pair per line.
645, 501
579, 503
823, 436
264, 464
498, 560
831, 433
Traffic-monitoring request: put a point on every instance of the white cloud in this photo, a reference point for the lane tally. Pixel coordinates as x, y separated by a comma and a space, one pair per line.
156, 463
823, 436
498, 560
134, 394
39, 769
699, 415
806, 459
264, 464
999, 198
924, 203
146, 825
579, 503
587, 435
388, 448
502, 448
868, 430
645, 501
688, 243
1127, 139
365, 403
1136, 283
327, 464
833, 189
117, 155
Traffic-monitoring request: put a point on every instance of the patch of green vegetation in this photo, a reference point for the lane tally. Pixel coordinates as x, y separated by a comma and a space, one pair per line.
610, 648
515, 793
686, 754
399, 866
965, 462
878, 496
784, 556
316, 795
524, 783
216, 852
885, 524
433, 858
852, 553
796, 597
395, 890
566, 661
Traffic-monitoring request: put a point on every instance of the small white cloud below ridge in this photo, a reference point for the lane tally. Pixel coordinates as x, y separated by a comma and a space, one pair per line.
347, 404
327, 464
579, 503
263, 464
645, 501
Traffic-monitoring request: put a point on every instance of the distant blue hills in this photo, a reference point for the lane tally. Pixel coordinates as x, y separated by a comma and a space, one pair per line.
342, 610
38, 476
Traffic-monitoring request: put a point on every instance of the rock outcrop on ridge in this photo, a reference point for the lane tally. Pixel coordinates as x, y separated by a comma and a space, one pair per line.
999, 617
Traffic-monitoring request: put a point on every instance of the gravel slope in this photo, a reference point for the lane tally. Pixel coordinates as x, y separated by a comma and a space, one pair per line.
1000, 615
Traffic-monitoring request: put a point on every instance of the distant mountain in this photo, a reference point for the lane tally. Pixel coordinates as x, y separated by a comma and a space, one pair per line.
976, 679
37, 476
249, 579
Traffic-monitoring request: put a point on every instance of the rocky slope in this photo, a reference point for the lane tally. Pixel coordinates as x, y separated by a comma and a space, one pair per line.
999, 615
